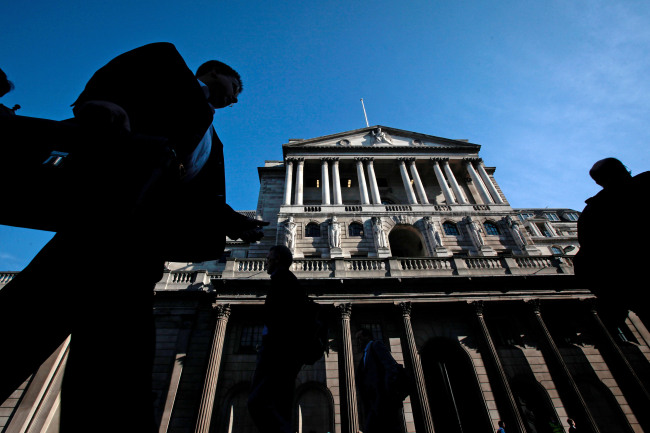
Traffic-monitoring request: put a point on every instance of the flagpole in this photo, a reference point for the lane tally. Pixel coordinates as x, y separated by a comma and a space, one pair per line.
364, 112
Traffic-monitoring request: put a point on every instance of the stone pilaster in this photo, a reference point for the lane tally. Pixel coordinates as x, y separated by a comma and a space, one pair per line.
212, 374
422, 399
516, 422
578, 406
418, 183
449, 198
352, 418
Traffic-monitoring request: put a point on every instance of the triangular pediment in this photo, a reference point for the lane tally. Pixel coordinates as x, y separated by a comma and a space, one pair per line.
380, 137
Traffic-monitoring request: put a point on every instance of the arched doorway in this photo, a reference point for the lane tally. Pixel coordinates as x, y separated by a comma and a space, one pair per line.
234, 414
406, 241
534, 405
314, 410
455, 397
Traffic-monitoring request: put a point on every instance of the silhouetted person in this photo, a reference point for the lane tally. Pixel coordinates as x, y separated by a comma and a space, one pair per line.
502, 427
6, 86
615, 283
381, 410
278, 361
572, 425
96, 282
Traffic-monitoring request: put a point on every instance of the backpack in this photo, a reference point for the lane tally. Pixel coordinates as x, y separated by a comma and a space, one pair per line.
315, 333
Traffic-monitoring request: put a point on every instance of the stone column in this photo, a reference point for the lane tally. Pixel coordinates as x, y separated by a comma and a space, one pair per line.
418, 183
406, 181
516, 422
212, 374
288, 179
325, 181
485, 196
374, 188
422, 399
454, 185
336, 181
488, 182
621, 365
299, 180
555, 357
449, 198
363, 190
348, 367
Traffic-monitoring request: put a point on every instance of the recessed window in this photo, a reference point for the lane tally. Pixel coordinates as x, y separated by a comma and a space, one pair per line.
551, 216
312, 230
491, 228
349, 183
375, 328
556, 250
525, 216
450, 229
355, 229
251, 337
571, 216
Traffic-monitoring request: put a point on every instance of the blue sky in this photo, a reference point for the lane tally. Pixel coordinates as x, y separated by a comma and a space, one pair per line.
547, 88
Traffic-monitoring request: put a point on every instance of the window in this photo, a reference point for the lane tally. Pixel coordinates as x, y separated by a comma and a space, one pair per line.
491, 228
251, 337
355, 229
552, 216
375, 328
525, 216
312, 230
556, 250
450, 229
571, 216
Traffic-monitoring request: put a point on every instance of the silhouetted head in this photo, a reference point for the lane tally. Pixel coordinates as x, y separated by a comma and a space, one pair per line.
502, 424
6, 86
363, 336
279, 258
223, 81
608, 172
571, 422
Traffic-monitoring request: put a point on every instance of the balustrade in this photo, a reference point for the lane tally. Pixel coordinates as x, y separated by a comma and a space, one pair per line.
312, 208
311, 265
183, 277
251, 265
425, 264
534, 262
483, 263
398, 208
365, 265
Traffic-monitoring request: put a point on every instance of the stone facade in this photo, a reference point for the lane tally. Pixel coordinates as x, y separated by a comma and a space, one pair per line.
408, 235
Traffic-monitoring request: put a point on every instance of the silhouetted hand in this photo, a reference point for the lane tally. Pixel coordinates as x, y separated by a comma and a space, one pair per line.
104, 116
248, 230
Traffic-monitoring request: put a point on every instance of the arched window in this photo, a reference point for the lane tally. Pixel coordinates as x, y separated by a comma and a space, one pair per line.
450, 229
312, 230
491, 228
556, 250
355, 229
314, 409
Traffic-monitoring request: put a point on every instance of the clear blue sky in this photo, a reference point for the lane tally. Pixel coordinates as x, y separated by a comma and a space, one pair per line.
547, 88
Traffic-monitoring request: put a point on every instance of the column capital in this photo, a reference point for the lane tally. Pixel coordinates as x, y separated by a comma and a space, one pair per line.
289, 160
471, 159
535, 305
405, 308
362, 158
295, 158
439, 159
344, 309
479, 307
221, 310
406, 159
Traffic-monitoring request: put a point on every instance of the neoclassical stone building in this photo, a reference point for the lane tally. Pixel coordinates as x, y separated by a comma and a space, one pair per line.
408, 235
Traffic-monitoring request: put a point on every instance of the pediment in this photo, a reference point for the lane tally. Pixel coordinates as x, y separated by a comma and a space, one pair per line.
380, 137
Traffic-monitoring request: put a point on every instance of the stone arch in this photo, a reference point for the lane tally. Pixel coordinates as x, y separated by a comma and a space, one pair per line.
406, 241
233, 414
455, 396
313, 408
534, 403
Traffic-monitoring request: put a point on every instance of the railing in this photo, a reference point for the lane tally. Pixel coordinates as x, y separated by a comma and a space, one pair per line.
312, 208
426, 264
353, 209
398, 208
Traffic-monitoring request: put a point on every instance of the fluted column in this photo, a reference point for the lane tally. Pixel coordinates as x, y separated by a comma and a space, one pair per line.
515, 417
336, 182
422, 400
325, 181
488, 182
449, 198
454, 185
363, 189
288, 179
212, 374
418, 183
555, 357
406, 181
348, 367
374, 188
299, 180
485, 195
